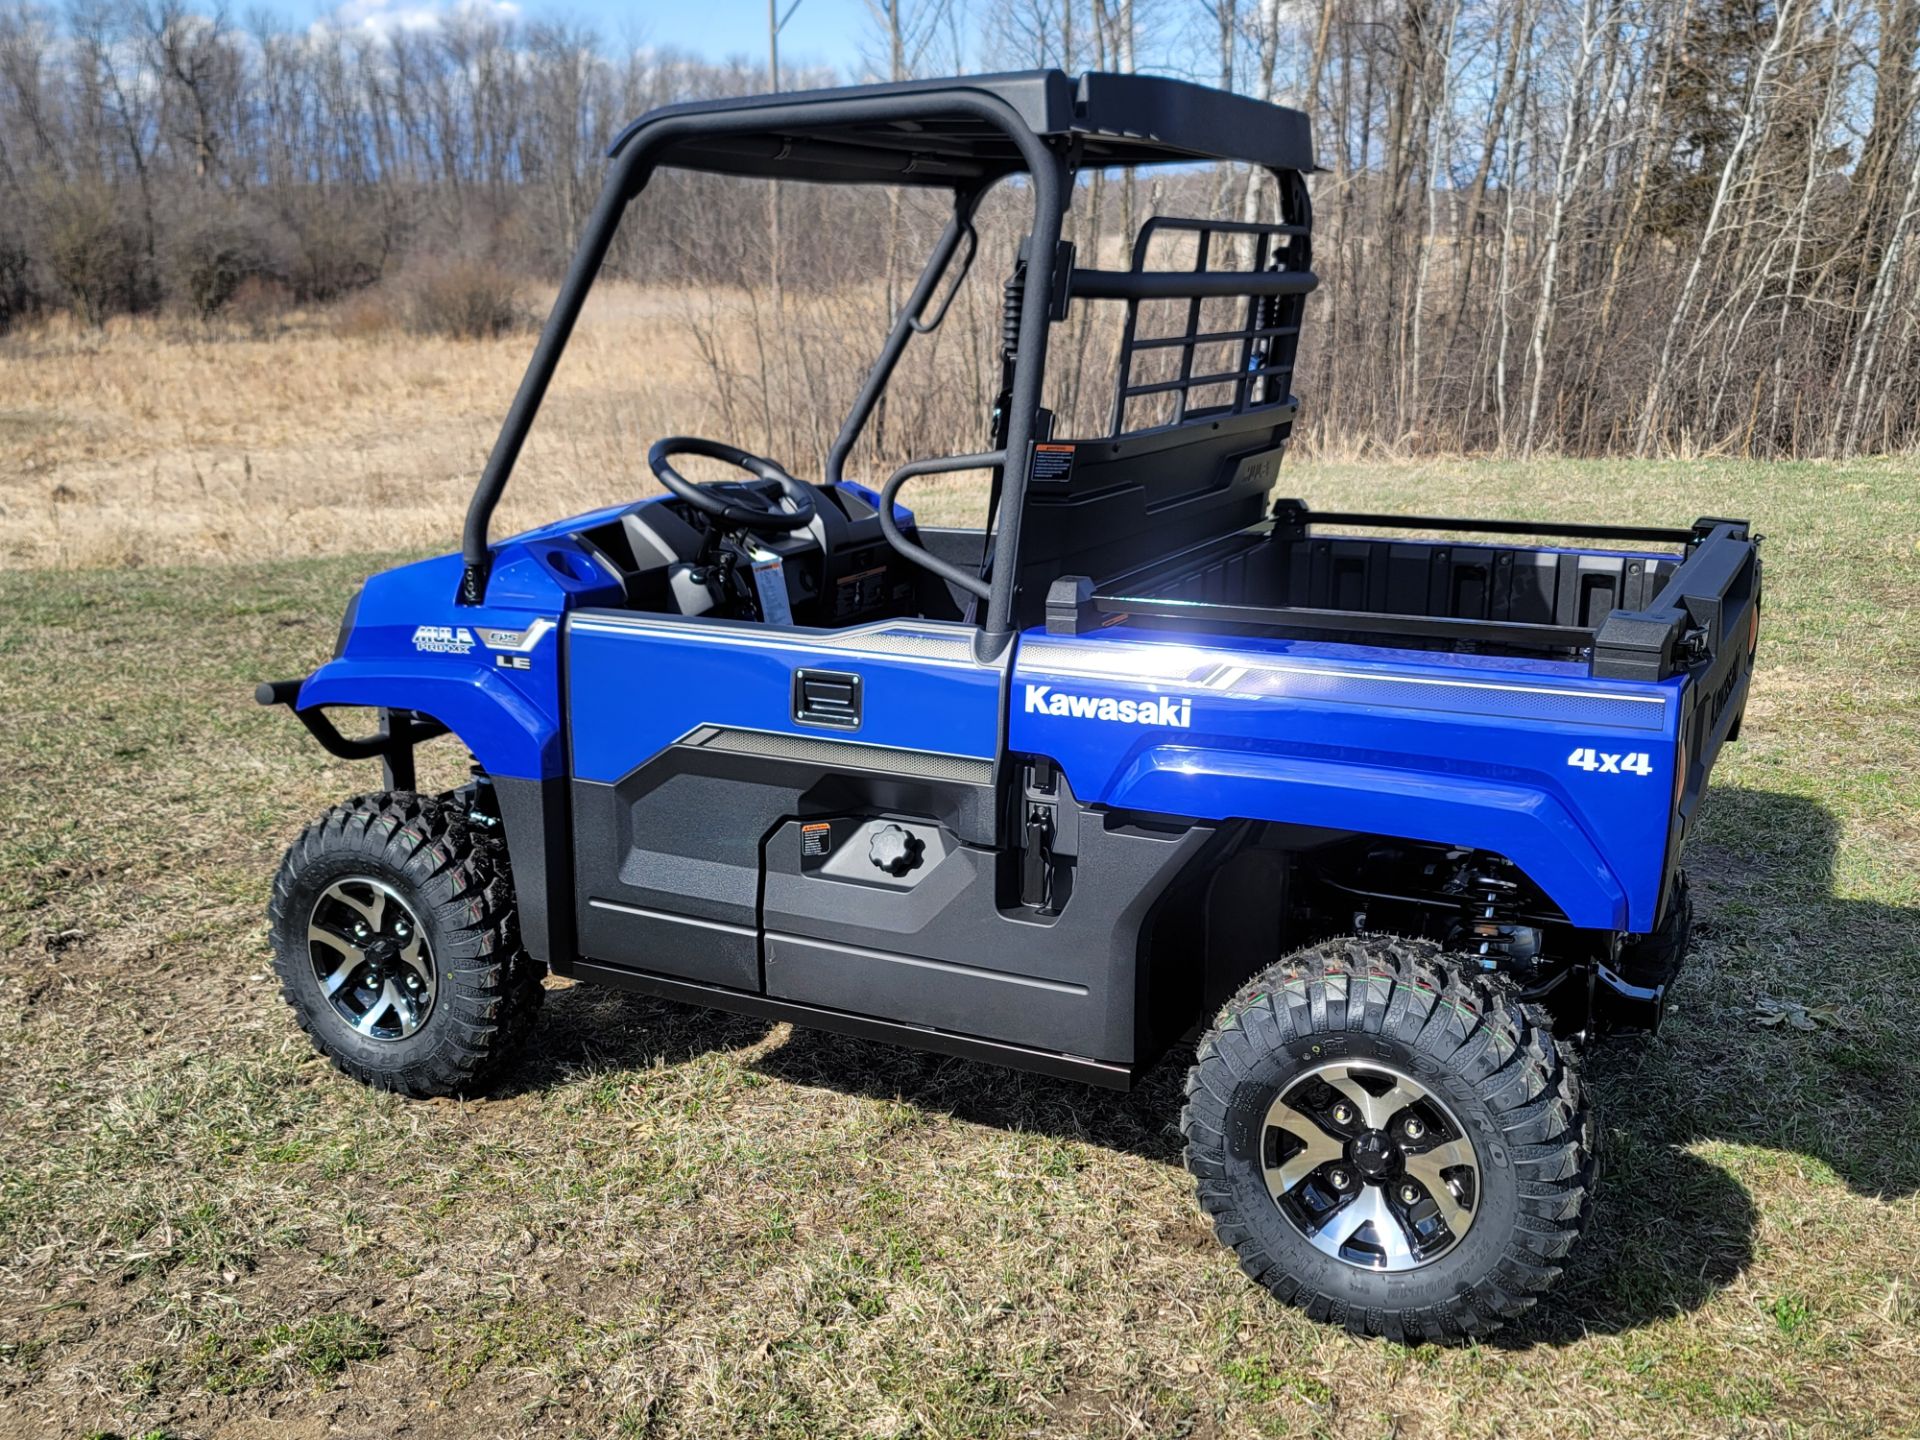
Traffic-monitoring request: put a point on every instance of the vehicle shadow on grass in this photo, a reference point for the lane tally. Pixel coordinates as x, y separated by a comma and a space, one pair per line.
1671, 1226
589, 1029
1834, 1092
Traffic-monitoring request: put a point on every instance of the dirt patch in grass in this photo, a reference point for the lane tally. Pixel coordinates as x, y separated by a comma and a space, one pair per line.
672, 1223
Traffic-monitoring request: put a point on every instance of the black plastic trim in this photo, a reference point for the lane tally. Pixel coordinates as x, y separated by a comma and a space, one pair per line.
1294, 512
1698, 622
914, 1037
533, 814
400, 729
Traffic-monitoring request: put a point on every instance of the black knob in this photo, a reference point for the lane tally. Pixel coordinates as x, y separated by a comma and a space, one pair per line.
895, 849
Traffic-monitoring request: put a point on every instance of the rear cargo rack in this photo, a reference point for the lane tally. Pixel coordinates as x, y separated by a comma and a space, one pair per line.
1627, 614
1258, 268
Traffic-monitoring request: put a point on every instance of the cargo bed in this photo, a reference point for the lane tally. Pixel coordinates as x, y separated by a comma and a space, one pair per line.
1634, 613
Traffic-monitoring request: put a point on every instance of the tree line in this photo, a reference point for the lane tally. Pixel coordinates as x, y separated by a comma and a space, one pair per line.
1583, 226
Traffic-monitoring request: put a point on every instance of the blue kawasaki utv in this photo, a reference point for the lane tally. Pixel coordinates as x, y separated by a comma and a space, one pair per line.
1392, 825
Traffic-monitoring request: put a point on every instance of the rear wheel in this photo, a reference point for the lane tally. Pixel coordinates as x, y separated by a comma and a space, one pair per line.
1388, 1142
396, 945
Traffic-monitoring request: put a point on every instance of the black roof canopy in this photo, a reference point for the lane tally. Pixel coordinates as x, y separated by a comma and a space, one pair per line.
863, 135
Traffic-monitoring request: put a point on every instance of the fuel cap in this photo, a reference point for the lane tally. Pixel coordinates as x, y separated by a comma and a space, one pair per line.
895, 849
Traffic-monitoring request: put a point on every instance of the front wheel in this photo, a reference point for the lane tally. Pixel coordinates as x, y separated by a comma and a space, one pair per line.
395, 942
1389, 1142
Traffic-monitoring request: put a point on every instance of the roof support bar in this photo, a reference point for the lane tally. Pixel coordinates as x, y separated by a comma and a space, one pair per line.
906, 324
634, 158
533, 385
1050, 192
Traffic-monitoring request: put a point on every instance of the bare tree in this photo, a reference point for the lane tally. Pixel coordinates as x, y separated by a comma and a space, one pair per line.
1582, 225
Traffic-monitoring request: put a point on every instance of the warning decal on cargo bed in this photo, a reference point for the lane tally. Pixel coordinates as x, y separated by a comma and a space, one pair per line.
1052, 465
815, 838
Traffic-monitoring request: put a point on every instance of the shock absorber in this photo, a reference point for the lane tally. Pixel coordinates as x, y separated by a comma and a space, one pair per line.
1490, 927
1012, 299
1012, 302
1266, 315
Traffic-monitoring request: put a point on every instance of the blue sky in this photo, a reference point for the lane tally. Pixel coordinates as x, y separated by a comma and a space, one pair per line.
829, 32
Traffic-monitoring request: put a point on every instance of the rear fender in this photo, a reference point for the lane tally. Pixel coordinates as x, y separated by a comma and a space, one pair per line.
1524, 824
1569, 778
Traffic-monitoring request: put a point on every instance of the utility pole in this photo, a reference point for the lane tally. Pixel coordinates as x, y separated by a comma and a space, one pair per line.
776, 22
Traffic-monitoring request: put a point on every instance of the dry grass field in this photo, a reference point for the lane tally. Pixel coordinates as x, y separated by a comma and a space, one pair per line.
141, 444
672, 1223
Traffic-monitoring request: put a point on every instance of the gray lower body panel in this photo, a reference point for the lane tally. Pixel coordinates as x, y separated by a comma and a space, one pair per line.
669, 857
957, 952
750, 871
840, 1022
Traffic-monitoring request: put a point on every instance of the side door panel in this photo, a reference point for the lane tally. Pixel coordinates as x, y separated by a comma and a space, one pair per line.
692, 740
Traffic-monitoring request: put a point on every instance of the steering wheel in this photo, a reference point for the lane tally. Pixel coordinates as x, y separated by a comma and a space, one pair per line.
748, 510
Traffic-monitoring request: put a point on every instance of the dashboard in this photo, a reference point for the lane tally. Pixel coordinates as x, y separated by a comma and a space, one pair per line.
839, 570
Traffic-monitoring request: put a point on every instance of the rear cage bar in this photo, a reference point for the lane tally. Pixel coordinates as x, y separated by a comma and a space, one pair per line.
1272, 292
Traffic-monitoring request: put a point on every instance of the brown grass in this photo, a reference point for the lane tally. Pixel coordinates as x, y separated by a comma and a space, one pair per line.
149, 443
677, 1224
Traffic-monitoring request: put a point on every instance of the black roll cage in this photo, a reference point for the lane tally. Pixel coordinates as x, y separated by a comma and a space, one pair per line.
964, 135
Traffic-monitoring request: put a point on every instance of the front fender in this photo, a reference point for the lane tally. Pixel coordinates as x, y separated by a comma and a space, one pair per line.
1525, 824
508, 734
489, 674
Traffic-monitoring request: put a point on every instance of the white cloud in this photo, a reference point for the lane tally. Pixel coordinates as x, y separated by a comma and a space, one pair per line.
387, 17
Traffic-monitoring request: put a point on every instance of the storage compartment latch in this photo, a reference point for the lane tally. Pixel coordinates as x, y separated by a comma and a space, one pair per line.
1036, 867
1036, 861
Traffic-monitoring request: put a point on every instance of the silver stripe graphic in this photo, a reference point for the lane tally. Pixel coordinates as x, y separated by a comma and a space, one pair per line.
1246, 678
902, 640
852, 754
879, 640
